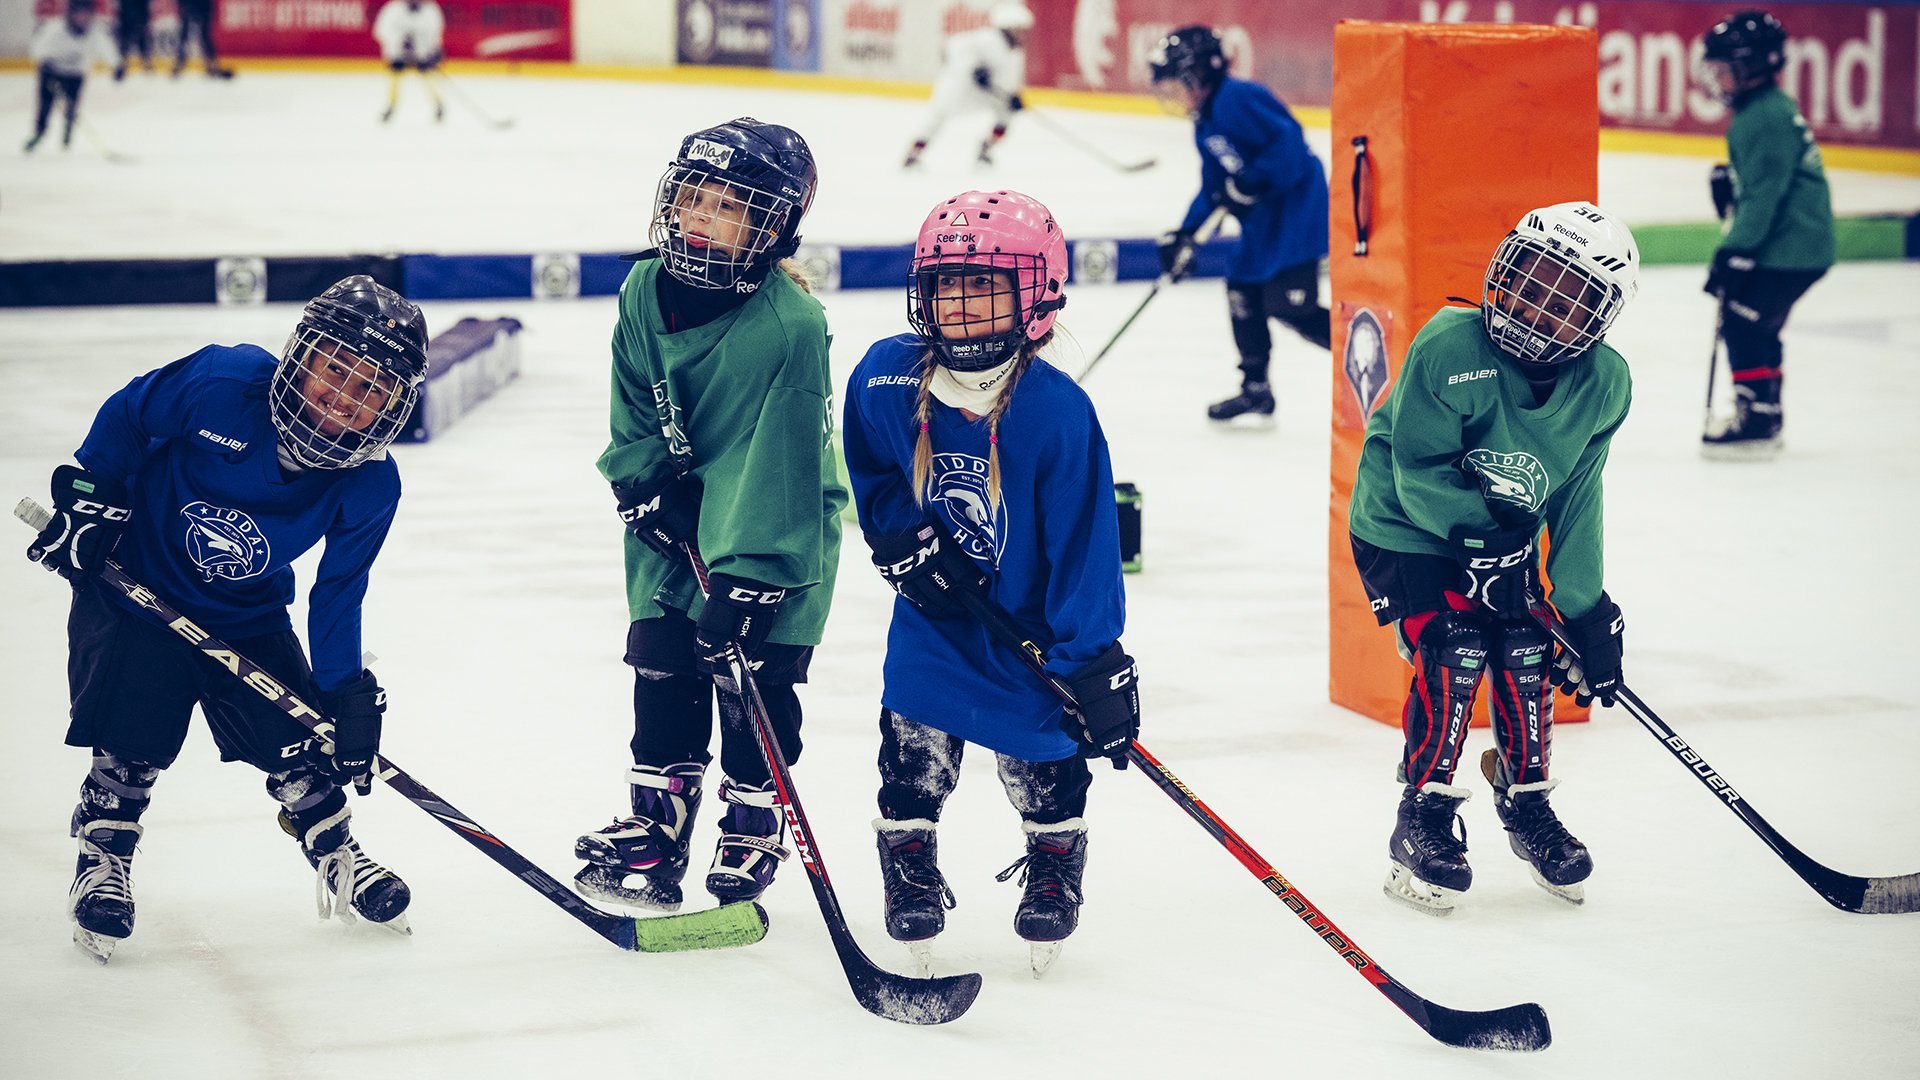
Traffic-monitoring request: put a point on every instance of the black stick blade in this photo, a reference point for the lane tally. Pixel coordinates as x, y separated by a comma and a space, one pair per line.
1521, 1028
913, 1001
1141, 166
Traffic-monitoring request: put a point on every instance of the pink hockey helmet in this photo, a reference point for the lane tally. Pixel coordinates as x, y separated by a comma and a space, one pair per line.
988, 275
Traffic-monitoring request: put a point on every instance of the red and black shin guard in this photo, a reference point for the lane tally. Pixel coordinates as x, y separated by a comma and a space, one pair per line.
1522, 699
1451, 653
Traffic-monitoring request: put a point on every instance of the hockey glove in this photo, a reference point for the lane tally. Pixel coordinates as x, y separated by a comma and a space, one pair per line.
1720, 184
1108, 716
1595, 673
983, 78
1242, 195
1496, 569
1728, 273
925, 565
1014, 104
738, 610
663, 513
89, 514
1176, 255
354, 710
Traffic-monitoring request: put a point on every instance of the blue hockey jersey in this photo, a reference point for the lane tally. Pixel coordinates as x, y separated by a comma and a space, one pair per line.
1053, 545
1244, 132
215, 525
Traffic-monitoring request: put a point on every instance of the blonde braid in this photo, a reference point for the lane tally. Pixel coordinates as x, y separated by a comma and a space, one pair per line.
923, 414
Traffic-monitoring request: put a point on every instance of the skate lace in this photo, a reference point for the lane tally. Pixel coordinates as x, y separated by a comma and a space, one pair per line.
1433, 824
343, 874
110, 877
1042, 871
918, 877
1539, 828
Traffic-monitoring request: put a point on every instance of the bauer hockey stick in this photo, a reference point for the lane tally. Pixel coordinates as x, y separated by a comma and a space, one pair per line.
882, 993
718, 928
1517, 1027
1862, 895
1205, 233
1090, 149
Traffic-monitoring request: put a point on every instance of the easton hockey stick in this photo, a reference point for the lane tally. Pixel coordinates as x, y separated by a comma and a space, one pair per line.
1090, 149
718, 928
880, 992
1517, 1027
1205, 233
1863, 895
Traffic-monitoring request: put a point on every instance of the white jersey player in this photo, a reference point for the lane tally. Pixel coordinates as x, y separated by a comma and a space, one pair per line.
62, 50
409, 33
983, 69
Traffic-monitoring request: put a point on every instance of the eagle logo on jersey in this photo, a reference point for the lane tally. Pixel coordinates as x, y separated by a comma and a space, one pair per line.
1516, 478
959, 483
224, 543
669, 411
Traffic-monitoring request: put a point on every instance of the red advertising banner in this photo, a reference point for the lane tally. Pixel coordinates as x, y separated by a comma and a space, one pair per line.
476, 29
1851, 67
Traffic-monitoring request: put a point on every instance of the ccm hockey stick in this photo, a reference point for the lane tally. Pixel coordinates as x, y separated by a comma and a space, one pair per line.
724, 927
1205, 233
1091, 150
1863, 895
882, 993
1517, 1027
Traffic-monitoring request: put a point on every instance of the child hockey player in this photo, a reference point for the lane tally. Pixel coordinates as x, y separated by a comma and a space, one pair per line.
205, 480
1780, 239
196, 22
979, 467
982, 69
409, 33
1498, 424
722, 428
62, 50
1255, 163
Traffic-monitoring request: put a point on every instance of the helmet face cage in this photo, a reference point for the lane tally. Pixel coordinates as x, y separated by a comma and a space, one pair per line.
1752, 45
335, 403
1541, 309
974, 311
713, 230
1190, 57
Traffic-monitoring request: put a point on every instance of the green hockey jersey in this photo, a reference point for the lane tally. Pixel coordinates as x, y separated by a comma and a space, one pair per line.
1783, 212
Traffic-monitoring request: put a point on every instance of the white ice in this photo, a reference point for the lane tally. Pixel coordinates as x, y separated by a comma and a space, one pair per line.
1769, 607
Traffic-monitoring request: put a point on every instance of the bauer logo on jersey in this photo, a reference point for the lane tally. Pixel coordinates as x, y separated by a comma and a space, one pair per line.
959, 483
1516, 478
719, 155
224, 543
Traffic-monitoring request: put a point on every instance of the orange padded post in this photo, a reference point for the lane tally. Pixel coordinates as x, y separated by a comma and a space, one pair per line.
1443, 135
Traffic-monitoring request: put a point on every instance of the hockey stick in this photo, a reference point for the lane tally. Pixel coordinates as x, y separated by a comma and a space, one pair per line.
724, 927
1517, 1027
472, 105
882, 993
1204, 234
100, 144
1862, 895
1093, 151
1713, 364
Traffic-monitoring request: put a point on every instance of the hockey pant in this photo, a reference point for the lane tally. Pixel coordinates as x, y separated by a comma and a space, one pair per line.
55, 85
1453, 649
920, 766
673, 702
1750, 323
196, 23
1293, 297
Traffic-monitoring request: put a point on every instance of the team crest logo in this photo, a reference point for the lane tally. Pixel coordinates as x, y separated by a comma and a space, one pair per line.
1516, 478
224, 543
959, 482
1366, 361
669, 411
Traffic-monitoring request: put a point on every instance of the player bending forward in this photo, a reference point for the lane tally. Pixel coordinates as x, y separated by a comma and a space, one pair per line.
1498, 424
983, 69
980, 468
205, 480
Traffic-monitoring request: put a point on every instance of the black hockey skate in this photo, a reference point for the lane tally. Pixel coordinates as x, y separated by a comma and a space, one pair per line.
349, 883
1559, 863
101, 900
1255, 398
639, 860
1429, 864
917, 896
1051, 871
749, 850
1752, 435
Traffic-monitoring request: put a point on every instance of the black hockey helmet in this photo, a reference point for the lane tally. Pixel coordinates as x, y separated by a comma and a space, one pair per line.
772, 176
1191, 54
1752, 44
350, 374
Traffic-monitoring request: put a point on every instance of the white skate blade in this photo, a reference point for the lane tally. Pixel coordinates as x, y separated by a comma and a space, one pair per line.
1403, 887
1575, 893
922, 954
398, 925
1752, 450
1246, 422
1042, 954
97, 946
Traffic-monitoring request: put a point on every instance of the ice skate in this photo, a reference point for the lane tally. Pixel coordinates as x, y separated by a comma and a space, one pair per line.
1559, 863
1753, 434
349, 884
639, 860
1051, 871
101, 900
35, 141
1254, 400
917, 896
1429, 867
749, 850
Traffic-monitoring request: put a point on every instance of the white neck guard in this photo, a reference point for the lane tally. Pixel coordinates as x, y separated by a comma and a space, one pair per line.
974, 391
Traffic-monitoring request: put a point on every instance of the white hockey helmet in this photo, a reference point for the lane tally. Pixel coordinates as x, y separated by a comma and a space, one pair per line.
1011, 15
1558, 281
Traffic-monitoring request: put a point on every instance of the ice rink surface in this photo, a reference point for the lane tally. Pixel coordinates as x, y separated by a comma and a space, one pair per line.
1767, 608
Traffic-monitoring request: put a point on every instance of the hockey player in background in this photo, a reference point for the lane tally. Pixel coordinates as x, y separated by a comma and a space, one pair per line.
979, 467
722, 423
133, 33
980, 69
1498, 425
1255, 163
1779, 240
409, 33
196, 22
205, 480
62, 50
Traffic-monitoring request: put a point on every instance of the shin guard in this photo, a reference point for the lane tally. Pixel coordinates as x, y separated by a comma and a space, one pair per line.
1522, 700
1451, 655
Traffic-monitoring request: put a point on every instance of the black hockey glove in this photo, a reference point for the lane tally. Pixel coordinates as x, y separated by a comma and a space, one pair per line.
1176, 255
89, 514
663, 513
925, 565
1014, 103
1729, 270
738, 610
1720, 184
1108, 717
1496, 569
1600, 635
354, 711
983, 78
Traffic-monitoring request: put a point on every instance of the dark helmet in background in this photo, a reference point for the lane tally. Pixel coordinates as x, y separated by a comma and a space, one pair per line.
1753, 46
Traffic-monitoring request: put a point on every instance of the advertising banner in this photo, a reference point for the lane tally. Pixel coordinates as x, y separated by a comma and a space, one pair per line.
476, 29
896, 39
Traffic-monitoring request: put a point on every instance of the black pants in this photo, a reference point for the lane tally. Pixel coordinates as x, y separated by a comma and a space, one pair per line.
196, 18
52, 85
131, 31
673, 702
1293, 297
920, 766
1750, 323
